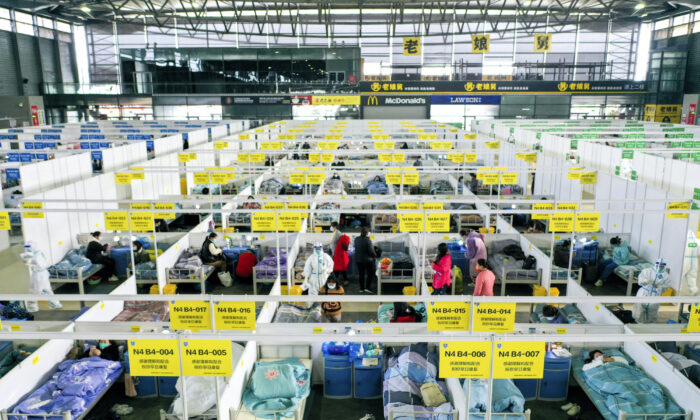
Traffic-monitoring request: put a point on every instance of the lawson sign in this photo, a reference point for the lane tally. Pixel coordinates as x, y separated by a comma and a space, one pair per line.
465, 100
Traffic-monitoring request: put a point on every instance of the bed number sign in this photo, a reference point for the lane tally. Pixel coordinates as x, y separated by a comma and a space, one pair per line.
206, 357
694, 321
190, 315
234, 316
494, 317
153, 357
448, 316
518, 360
465, 359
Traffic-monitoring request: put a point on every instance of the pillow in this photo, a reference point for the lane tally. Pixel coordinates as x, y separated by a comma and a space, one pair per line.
612, 353
273, 381
432, 395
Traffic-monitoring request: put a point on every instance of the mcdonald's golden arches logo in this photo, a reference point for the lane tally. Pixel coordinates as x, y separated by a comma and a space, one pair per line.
372, 101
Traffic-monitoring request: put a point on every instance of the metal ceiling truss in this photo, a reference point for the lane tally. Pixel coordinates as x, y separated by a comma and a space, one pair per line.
428, 17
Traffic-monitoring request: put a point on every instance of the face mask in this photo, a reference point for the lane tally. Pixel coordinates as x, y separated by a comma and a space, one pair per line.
318, 251
599, 359
136, 249
103, 346
331, 286
659, 269
549, 318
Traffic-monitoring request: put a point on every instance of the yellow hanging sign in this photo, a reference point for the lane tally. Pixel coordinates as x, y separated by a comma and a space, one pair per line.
437, 205
481, 44
289, 222
327, 157
573, 175
206, 357
219, 178
122, 178
384, 157
234, 316
189, 315
543, 43
202, 178
694, 321
493, 144
33, 214
257, 157
116, 220
271, 205
411, 222
494, 317
314, 157
154, 357
542, 206
587, 222
675, 206
411, 178
393, 178
561, 222
263, 222
164, 206
243, 158
588, 178
490, 178
437, 222
448, 316
567, 206
407, 206
470, 136
518, 360
412, 46
297, 178
5, 220
509, 178
398, 158
465, 359
315, 178
220, 145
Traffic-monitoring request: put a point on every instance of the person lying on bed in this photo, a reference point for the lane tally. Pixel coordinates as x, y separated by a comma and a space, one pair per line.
552, 315
104, 350
598, 358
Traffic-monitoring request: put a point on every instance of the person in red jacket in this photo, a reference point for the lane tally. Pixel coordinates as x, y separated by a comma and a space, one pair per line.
244, 268
442, 266
341, 259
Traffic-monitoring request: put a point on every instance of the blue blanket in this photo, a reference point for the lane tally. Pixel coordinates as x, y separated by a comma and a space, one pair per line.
376, 187
277, 388
507, 398
73, 263
75, 385
405, 374
628, 389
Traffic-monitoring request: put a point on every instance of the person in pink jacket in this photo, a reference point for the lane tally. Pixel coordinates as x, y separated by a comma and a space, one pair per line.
484, 280
442, 266
476, 250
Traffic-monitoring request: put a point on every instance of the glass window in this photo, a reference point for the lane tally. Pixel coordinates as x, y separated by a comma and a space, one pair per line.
44, 22
662, 24
680, 30
5, 25
23, 17
681, 20
696, 27
63, 26
25, 28
4, 13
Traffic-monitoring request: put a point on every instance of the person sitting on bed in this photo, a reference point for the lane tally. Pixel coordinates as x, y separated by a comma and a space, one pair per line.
403, 312
552, 315
95, 253
104, 349
140, 255
598, 358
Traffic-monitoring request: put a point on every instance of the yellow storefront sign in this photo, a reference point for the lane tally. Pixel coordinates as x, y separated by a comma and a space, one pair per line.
465, 359
518, 360
494, 317
154, 357
336, 100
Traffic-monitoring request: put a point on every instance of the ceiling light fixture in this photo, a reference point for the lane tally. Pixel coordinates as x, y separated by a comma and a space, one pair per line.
85, 9
639, 6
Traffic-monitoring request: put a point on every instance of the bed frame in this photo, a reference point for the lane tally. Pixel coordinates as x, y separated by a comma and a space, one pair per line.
197, 276
407, 276
623, 416
79, 279
5, 415
504, 280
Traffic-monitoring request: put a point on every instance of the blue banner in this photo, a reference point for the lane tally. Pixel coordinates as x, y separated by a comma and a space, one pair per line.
26, 157
50, 130
42, 156
28, 145
138, 137
13, 157
84, 144
185, 136
130, 130
169, 130
95, 145
149, 144
16, 130
50, 145
12, 173
96, 154
465, 99
38, 145
104, 144
8, 136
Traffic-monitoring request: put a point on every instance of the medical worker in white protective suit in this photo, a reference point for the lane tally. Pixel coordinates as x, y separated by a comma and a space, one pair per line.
317, 269
652, 281
39, 283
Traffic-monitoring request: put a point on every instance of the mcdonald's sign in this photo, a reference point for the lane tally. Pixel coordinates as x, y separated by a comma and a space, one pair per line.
397, 100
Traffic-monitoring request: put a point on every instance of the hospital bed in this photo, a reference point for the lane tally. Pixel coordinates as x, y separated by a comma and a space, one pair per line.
69, 270
402, 269
603, 403
629, 272
184, 272
270, 353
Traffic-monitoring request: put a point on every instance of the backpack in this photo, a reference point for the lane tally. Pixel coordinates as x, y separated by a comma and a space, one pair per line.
530, 263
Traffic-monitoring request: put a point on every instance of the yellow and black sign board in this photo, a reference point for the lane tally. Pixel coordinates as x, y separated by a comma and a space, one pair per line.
411, 46
665, 113
543, 42
481, 44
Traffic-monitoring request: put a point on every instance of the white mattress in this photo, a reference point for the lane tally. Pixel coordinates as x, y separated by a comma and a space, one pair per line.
244, 414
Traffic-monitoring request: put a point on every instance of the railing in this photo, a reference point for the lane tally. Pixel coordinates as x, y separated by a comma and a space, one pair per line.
150, 88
